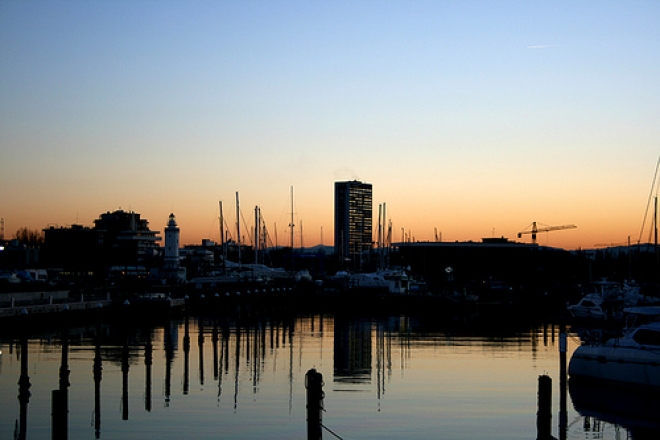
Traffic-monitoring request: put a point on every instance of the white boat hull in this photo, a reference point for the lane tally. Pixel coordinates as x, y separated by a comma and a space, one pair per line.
629, 365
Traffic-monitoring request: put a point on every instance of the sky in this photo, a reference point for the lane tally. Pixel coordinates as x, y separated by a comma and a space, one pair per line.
472, 118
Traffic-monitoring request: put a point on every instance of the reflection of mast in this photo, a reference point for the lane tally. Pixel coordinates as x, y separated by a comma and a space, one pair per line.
124, 382
263, 346
238, 364
214, 342
321, 334
258, 354
23, 389
380, 360
148, 362
291, 366
200, 342
186, 355
169, 357
60, 397
224, 358
252, 353
98, 372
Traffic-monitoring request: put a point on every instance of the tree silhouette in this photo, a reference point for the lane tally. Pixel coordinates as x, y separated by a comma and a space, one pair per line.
32, 238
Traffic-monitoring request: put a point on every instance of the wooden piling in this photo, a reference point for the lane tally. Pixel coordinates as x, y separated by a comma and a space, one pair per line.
314, 385
544, 414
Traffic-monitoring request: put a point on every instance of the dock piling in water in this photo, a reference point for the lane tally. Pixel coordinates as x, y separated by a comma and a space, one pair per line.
544, 414
314, 385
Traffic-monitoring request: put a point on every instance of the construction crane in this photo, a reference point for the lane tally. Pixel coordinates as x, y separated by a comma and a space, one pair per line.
536, 230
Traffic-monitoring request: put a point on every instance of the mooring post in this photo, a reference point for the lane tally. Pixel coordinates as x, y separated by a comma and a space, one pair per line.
563, 381
544, 414
60, 396
23, 389
314, 385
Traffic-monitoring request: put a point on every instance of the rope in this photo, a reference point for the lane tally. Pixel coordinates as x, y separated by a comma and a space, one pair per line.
330, 431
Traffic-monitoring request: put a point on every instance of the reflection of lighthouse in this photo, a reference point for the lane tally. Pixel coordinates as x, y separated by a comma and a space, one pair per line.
171, 262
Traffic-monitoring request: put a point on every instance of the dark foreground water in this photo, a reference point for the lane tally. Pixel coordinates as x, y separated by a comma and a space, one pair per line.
390, 377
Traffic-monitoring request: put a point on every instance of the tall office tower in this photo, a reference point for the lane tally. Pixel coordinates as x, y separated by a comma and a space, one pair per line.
353, 239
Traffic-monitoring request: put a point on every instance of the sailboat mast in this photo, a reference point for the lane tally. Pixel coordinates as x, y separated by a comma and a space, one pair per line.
380, 236
256, 235
389, 235
238, 228
655, 238
264, 235
291, 224
222, 237
385, 245
655, 221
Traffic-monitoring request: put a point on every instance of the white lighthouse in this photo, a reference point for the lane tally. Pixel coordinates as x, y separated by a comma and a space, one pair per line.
171, 261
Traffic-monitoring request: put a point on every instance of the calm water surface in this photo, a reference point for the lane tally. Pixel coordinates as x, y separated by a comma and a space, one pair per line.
386, 378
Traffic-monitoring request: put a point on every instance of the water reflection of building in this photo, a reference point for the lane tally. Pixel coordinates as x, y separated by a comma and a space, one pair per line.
148, 363
352, 354
249, 353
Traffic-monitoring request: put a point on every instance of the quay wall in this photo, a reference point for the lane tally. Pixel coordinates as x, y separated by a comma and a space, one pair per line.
43, 295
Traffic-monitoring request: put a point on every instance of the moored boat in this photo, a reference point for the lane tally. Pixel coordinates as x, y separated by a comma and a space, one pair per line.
589, 307
632, 359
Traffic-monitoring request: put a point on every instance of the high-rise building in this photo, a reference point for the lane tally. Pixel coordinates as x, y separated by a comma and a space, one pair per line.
353, 220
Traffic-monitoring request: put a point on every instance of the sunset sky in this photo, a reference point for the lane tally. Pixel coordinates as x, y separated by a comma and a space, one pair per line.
473, 117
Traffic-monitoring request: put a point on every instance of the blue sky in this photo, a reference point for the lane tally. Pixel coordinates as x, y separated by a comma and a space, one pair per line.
465, 116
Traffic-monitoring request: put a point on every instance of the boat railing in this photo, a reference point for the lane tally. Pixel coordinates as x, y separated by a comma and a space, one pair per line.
636, 316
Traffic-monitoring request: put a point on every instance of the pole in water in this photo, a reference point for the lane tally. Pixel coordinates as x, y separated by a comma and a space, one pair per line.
314, 385
544, 414
563, 380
